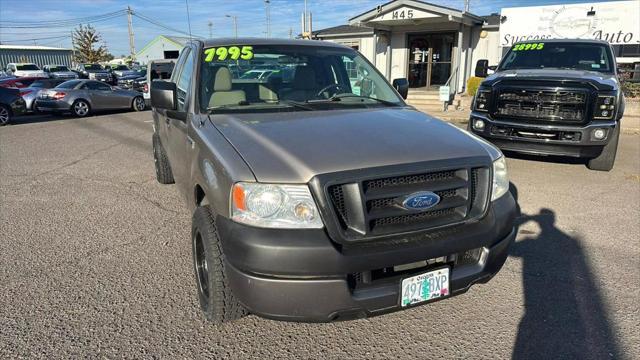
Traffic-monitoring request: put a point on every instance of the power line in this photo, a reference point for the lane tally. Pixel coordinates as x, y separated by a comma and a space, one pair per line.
47, 23
63, 23
157, 23
36, 39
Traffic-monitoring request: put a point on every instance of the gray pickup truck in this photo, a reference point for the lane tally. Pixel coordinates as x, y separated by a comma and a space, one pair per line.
553, 97
317, 194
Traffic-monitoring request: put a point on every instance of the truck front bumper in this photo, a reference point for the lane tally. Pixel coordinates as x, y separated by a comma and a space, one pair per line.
560, 140
301, 275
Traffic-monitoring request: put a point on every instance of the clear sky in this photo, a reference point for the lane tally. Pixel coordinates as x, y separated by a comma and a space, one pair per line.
285, 15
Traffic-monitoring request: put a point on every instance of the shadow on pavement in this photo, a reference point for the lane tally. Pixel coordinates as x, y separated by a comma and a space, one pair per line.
565, 317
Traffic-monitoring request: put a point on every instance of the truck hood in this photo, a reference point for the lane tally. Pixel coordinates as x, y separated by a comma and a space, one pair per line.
30, 73
598, 80
64, 73
293, 147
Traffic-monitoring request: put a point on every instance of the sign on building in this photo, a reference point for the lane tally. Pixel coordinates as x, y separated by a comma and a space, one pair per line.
616, 22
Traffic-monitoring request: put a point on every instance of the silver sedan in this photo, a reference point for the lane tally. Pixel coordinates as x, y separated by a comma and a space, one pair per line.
82, 97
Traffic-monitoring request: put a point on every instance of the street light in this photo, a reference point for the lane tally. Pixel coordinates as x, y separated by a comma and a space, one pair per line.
235, 23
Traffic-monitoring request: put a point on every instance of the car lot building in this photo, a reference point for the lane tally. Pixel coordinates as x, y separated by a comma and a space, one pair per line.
433, 45
39, 55
161, 47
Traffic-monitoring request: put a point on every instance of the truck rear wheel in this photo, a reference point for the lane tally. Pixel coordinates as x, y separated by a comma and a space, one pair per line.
606, 159
163, 169
216, 298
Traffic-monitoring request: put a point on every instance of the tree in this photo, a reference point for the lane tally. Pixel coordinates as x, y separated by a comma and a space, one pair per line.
84, 40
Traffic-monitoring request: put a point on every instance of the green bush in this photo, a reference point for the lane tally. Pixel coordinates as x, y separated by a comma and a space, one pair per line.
472, 85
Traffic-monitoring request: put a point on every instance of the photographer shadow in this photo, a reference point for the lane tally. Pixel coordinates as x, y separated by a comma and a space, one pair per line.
564, 313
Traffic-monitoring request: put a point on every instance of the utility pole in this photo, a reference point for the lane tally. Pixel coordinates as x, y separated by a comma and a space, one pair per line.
290, 33
267, 9
210, 25
132, 45
73, 49
235, 24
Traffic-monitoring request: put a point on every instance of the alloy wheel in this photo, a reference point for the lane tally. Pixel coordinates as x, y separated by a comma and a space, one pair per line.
4, 115
81, 108
139, 104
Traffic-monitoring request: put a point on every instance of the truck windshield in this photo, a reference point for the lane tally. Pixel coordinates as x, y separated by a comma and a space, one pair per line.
92, 67
559, 55
58, 68
278, 77
27, 67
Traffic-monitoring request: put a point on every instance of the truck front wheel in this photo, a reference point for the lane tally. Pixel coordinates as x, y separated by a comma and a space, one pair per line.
606, 159
216, 298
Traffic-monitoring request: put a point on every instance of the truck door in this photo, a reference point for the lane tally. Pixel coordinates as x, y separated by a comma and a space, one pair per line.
176, 121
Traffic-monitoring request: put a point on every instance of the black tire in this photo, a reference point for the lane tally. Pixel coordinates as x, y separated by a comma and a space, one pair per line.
164, 175
216, 297
5, 115
80, 108
138, 104
606, 159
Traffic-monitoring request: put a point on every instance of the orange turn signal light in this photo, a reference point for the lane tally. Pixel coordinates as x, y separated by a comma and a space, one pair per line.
238, 197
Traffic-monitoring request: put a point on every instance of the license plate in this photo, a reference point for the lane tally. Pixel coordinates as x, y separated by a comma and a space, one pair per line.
424, 287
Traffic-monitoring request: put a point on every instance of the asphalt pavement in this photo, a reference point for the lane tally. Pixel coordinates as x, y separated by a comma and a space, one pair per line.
95, 261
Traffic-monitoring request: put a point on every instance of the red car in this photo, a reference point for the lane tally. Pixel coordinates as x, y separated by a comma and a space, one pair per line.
20, 82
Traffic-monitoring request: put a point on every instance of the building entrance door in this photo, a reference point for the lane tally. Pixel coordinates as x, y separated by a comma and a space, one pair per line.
430, 58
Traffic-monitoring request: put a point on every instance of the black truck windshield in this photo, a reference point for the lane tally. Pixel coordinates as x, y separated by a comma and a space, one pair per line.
559, 55
270, 77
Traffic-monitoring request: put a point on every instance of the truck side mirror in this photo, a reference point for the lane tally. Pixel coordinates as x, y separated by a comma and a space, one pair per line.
163, 95
402, 86
482, 68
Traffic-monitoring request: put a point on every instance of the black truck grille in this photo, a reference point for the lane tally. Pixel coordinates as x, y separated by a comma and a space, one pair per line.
542, 105
373, 207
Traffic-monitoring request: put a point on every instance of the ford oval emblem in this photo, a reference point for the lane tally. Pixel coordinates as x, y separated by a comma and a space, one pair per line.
421, 200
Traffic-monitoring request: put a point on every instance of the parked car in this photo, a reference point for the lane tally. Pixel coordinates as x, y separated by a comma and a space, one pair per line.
29, 94
25, 70
18, 82
157, 70
82, 97
140, 84
126, 81
94, 72
553, 97
11, 104
311, 202
121, 70
59, 72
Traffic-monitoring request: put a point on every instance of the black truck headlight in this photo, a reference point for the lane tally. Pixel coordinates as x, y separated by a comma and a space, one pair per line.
482, 100
605, 107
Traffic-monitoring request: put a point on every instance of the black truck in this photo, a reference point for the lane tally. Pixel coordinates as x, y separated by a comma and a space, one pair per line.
553, 97
323, 196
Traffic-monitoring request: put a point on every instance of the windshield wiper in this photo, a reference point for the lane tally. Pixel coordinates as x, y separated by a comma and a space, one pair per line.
296, 104
339, 97
291, 103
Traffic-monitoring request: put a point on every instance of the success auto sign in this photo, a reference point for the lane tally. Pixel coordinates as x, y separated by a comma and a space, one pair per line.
615, 22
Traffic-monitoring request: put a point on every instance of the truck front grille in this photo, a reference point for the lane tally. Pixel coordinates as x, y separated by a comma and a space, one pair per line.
373, 207
542, 105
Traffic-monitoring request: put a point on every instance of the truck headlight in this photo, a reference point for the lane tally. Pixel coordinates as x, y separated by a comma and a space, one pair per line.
481, 102
274, 206
605, 107
500, 178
